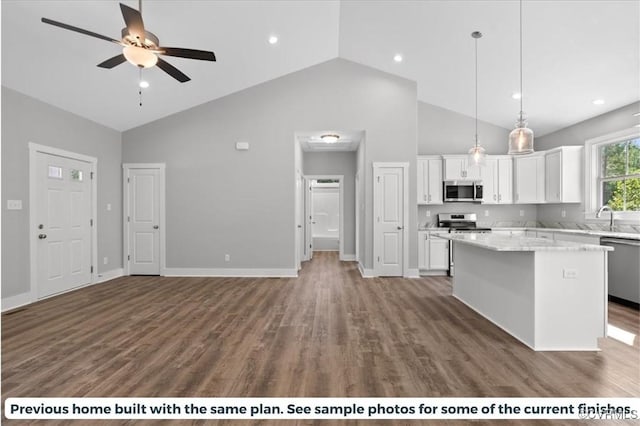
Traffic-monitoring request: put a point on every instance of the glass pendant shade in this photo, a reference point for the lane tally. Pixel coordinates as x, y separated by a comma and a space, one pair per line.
140, 57
477, 155
521, 139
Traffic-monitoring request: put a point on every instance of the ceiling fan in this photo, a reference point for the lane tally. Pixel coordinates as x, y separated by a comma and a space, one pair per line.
141, 47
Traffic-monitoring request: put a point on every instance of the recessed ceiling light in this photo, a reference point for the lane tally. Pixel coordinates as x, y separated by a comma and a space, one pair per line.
144, 84
273, 39
598, 102
516, 95
398, 58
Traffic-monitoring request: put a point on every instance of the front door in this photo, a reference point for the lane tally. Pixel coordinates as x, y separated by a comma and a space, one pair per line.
389, 211
63, 223
143, 187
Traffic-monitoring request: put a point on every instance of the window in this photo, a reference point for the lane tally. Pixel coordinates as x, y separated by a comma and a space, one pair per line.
612, 174
619, 180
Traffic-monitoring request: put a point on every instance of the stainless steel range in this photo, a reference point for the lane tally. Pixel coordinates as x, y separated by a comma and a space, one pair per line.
459, 223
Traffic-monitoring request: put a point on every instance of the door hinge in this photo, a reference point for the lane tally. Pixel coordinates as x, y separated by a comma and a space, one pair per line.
378, 259
378, 179
92, 269
128, 257
90, 222
91, 175
128, 218
128, 180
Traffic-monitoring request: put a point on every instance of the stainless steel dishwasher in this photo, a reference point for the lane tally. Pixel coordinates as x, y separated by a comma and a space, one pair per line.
624, 268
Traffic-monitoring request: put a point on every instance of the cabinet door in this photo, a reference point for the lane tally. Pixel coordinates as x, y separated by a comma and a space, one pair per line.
423, 250
453, 169
438, 254
434, 184
472, 171
529, 171
553, 177
490, 181
505, 180
423, 181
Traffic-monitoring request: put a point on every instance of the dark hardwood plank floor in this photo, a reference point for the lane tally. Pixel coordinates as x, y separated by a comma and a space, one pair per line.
327, 333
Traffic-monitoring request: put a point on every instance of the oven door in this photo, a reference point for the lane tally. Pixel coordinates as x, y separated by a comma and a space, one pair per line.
459, 191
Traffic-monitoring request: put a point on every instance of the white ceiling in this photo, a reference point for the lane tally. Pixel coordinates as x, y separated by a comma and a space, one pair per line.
574, 52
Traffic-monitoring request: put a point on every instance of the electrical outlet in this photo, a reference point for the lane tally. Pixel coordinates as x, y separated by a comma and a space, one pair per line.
563, 213
14, 204
521, 213
227, 258
486, 213
428, 213
105, 261
108, 207
569, 274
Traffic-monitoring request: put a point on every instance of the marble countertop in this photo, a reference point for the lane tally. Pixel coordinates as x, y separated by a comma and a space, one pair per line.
596, 233
520, 243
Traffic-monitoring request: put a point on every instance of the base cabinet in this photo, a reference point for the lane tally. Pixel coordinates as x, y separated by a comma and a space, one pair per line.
433, 254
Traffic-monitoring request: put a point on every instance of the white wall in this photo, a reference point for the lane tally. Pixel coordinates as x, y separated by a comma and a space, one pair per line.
441, 131
224, 201
338, 163
25, 120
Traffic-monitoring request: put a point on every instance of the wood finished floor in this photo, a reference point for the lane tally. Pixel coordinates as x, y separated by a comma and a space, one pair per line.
327, 333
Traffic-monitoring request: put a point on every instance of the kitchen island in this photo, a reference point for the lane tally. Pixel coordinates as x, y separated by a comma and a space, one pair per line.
550, 295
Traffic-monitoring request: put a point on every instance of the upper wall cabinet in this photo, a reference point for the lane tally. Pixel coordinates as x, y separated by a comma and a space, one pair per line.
563, 170
529, 178
457, 167
429, 180
497, 179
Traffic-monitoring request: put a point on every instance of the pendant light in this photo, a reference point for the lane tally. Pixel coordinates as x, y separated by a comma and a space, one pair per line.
521, 138
476, 153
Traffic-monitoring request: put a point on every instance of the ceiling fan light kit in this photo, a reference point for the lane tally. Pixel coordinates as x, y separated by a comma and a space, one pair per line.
139, 46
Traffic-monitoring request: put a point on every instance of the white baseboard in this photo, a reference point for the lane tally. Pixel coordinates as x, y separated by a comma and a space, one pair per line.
365, 273
230, 272
412, 273
109, 275
16, 301
348, 258
429, 273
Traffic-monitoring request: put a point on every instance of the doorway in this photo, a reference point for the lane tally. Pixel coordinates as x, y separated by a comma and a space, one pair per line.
63, 243
324, 214
144, 219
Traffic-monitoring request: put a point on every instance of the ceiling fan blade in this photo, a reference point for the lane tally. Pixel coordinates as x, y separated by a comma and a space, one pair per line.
112, 62
203, 55
172, 71
79, 30
133, 19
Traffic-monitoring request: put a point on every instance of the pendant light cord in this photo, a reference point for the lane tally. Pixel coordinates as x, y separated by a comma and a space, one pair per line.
476, 93
521, 94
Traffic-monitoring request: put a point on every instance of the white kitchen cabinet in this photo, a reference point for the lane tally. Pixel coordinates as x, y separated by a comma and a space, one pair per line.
529, 179
433, 253
563, 175
497, 180
429, 180
457, 167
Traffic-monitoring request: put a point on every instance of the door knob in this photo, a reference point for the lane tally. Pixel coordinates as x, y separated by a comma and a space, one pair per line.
155, 226
42, 236
299, 226
399, 228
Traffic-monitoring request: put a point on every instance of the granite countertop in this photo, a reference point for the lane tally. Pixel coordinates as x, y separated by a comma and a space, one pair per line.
596, 233
519, 243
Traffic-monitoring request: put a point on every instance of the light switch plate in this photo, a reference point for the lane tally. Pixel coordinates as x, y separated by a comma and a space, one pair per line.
14, 204
569, 274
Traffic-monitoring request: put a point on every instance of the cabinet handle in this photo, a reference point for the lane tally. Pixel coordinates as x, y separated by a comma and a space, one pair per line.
494, 197
500, 197
429, 197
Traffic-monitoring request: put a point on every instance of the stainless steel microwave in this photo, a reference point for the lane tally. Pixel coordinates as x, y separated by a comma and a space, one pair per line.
469, 191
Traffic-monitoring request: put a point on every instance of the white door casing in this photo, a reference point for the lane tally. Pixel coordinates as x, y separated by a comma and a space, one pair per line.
62, 196
144, 230
390, 200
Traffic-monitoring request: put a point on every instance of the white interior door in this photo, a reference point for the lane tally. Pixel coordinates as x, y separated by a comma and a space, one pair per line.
390, 209
143, 187
63, 210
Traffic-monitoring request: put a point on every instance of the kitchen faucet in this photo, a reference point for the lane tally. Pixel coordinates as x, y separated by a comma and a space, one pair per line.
610, 210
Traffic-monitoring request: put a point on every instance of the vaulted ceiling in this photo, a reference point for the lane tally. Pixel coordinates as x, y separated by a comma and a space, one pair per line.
574, 52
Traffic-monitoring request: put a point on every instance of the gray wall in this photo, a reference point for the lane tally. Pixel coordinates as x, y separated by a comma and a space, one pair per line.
220, 200
613, 121
338, 163
25, 120
441, 131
